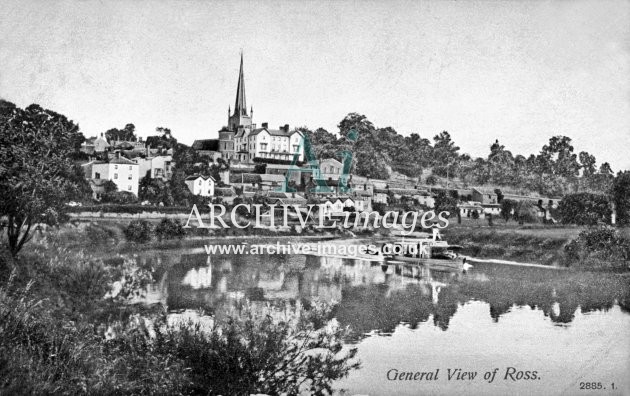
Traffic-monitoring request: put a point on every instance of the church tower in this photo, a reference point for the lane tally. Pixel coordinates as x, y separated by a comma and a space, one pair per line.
240, 118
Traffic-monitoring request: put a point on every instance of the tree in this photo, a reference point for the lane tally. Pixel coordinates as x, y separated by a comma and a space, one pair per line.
605, 169
444, 149
620, 193
508, 208
359, 137
584, 209
431, 180
164, 139
37, 175
444, 202
127, 134
587, 162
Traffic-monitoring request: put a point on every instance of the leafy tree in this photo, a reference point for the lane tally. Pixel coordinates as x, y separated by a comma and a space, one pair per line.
164, 139
154, 190
620, 193
37, 176
444, 149
508, 206
445, 202
359, 136
584, 209
605, 169
587, 162
127, 134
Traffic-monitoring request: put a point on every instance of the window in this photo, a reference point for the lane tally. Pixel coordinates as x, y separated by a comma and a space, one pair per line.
130, 168
97, 175
129, 187
129, 177
115, 176
115, 166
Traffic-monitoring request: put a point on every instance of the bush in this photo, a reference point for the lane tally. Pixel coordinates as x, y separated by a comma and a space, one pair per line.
602, 248
169, 229
138, 231
119, 197
264, 351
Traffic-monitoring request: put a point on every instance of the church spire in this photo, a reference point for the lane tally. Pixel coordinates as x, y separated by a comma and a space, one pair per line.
240, 107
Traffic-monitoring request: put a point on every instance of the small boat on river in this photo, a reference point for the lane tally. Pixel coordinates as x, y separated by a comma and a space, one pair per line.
423, 249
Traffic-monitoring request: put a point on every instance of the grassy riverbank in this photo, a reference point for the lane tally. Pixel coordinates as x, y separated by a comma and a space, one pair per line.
547, 245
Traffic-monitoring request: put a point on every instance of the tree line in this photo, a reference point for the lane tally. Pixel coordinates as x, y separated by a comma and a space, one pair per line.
378, 152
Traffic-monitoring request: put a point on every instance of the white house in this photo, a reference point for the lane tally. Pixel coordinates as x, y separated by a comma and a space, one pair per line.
95, 145
330, 168
281, 144
123, 172
161, 166
200, 185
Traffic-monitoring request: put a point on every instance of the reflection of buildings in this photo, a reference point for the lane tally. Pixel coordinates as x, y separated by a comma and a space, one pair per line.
370, 297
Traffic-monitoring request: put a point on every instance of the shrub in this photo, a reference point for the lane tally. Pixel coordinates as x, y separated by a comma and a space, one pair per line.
264, 350
169, 229
138, 231
119, 197
602, 247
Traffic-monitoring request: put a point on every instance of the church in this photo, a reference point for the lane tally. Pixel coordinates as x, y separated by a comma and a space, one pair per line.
243, 141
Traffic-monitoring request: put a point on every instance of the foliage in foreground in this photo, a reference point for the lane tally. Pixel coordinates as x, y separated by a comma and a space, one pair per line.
599, 248
70, 332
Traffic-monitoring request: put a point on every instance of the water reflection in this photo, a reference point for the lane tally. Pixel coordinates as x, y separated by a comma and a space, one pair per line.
371, 298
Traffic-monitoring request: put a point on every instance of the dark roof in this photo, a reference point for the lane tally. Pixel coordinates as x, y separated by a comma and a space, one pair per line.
405, 191
195, 177
272, 178
122, 160
245, 178
206, 144
274, 132
224, 191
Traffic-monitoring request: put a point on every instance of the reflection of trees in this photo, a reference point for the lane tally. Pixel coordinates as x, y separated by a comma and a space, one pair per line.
366, 308
370, 298
557, 294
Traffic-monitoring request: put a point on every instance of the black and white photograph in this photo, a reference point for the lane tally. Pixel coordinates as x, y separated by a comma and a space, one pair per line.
288, 197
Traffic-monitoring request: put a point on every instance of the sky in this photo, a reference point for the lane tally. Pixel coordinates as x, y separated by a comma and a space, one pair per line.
516, 71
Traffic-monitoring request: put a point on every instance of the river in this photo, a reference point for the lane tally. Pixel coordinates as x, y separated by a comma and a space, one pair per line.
569, 327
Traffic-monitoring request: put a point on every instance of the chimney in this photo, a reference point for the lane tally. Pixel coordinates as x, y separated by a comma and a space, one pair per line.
286, 127
265, 125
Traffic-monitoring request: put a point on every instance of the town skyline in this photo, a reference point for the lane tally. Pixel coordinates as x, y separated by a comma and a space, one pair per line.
404, 86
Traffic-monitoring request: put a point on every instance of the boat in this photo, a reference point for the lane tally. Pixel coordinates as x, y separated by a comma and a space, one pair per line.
421, 249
